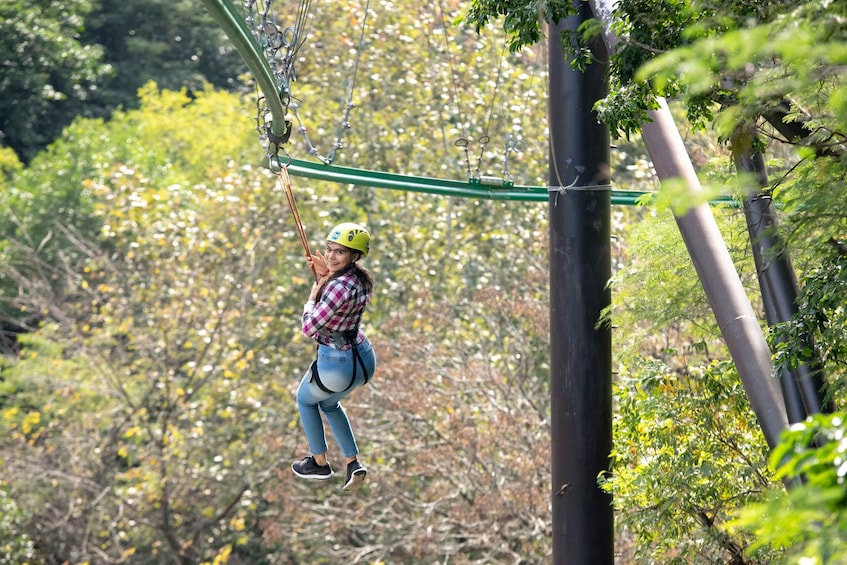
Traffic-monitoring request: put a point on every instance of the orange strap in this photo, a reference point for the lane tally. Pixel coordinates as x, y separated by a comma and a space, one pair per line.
292, 204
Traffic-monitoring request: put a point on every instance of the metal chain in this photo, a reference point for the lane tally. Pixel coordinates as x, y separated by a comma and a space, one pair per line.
280, 47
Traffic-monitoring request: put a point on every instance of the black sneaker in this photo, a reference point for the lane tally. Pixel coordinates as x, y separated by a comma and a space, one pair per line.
307, 468
355, 475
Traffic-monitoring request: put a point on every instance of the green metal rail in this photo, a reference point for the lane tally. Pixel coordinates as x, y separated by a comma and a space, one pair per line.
229, 18
444, 187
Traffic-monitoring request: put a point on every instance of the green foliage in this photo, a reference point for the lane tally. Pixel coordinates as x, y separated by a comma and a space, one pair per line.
808, 521
645, 28
522, 21
165, 139
732, 65
90, 57
644, 35
150, 387
621, 114
9, 165
658, 300
688, 453
48, 72
174, 43
15, 545
819, 329
815, 217
688, 450
762, 56
136, 337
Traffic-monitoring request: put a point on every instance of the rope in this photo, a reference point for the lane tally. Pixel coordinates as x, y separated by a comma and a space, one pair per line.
282, 178
496, 87
515, 142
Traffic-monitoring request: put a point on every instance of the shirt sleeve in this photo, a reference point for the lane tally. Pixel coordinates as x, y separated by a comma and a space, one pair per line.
316, 315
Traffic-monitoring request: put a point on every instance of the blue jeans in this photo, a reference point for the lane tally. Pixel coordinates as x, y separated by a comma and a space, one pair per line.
335, 367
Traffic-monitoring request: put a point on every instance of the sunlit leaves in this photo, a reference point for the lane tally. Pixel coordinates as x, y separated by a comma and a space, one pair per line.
658, 298
157, 354
752, 56
822, 317
809, 520
522, 21
685, 459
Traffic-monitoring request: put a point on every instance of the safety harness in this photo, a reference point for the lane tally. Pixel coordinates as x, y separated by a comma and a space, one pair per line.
341, 339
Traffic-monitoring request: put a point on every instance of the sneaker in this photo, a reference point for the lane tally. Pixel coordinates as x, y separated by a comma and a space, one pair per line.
307, 468
355, 475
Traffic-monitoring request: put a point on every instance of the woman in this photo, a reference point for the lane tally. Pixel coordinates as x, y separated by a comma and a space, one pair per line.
345, 359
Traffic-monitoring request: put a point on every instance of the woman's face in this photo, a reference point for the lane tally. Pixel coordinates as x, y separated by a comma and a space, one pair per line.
337, 257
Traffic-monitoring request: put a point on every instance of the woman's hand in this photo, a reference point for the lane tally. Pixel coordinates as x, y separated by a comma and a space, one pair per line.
317, 263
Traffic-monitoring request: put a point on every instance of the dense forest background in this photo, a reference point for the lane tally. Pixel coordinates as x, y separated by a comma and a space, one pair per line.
151, 282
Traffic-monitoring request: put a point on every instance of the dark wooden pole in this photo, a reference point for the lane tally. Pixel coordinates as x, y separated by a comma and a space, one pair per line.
580, 268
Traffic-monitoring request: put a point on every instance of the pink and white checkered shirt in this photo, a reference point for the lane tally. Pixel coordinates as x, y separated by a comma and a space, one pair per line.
340, 308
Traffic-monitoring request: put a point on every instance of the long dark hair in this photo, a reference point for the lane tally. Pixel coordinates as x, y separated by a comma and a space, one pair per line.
365, 277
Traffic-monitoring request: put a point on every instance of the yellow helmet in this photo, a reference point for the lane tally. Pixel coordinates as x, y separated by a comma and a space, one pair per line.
352, 236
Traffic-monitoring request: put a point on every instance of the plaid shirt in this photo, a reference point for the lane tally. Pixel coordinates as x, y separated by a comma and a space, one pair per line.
340, 308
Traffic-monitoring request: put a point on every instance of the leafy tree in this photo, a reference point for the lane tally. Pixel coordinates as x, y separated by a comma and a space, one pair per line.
821, 315
89, 58
782, 62
9, 164
45, 198
688, 453
142, 380
174, 44
48, 71
774, 65
754, 57
149, 406
687, 450
523, 22
15, 545
808, 522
